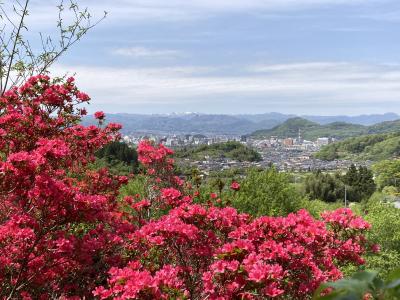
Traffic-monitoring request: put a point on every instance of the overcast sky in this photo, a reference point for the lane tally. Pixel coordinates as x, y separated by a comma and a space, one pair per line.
236, 56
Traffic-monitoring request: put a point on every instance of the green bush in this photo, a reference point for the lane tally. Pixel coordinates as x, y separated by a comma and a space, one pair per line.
324, 186
231, 150
361, 284
385, 221
119, 152
136, 185
266, 192
387, 173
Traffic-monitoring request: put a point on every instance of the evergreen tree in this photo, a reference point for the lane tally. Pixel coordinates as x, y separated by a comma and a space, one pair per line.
360, 183
119, 152
326, 187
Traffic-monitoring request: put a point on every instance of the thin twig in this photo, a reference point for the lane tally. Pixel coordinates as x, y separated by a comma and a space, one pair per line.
21, 24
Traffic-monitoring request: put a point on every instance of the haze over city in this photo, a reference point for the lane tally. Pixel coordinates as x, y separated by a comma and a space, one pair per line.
323, 57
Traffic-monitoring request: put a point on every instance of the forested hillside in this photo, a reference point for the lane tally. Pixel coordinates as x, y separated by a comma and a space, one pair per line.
311, 130
367, 147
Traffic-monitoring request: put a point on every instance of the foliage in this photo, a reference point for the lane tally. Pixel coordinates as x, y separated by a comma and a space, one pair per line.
290, 128
266, 192
115, 167
317, 207
118, 151
311, 130
118, 155
387, 173
385, 127
385, 221
324, 186
362, 285
328, 152
64, 233
367, 147
136, 187
231, 150
360, 183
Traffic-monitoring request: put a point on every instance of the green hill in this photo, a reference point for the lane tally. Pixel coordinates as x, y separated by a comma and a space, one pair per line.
311, 130
289, 128
367, 147
385, 127
230, 150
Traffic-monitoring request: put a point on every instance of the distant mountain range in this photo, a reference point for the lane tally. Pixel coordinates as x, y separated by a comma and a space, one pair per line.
311, 130
195, 123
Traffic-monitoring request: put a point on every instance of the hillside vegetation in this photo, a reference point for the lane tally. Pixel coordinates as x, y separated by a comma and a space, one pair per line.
311, 130
230, 150
367, 147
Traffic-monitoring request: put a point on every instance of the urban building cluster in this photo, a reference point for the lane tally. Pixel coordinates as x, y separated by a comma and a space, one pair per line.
286, 154
185, 140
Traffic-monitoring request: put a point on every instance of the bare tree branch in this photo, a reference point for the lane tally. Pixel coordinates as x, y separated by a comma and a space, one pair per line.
18, 59
17, 37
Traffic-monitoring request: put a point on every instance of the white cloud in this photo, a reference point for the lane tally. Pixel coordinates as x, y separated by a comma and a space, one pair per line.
327, 84
143, 52
295, 66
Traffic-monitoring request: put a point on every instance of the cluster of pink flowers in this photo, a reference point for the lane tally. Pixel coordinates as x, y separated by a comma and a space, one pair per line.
153, 156
159, 165
288, 255
64, 234
135, 282
50, 201
99, 115
235, 186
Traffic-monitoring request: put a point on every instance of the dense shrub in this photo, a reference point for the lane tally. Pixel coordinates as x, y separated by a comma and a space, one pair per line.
59, 232
358, 183
118, 155
266, 192
231, 150
387, 173
385, 231
324, 186
64, 234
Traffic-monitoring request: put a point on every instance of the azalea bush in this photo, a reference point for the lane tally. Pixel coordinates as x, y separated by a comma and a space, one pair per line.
60, 230
66, 233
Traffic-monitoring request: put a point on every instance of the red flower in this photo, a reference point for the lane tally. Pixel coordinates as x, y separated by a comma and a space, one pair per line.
235, 186
375, 248
99, 115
